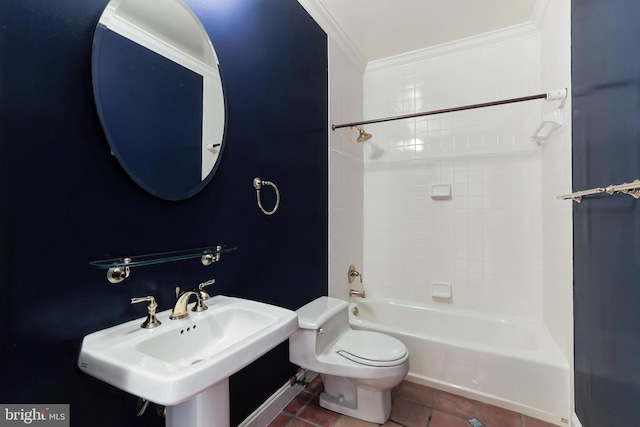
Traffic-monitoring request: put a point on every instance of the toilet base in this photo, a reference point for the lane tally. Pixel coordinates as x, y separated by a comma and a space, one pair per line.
357, 402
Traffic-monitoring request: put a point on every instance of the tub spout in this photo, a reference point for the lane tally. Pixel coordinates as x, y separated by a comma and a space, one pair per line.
354, 293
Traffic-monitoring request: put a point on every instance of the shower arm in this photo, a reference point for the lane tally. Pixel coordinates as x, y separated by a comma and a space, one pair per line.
556, 95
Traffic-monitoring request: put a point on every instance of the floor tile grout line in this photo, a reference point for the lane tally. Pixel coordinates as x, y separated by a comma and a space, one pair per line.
395, 396
295, 417
433, 405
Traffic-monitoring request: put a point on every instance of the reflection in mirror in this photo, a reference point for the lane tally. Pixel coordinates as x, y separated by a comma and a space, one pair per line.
159, 95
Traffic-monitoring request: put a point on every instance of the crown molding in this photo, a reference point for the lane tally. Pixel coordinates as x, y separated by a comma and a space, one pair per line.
455, 46
324, 19
539, 12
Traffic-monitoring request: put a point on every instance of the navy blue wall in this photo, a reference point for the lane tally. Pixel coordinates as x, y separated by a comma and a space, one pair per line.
66, 200
606, 150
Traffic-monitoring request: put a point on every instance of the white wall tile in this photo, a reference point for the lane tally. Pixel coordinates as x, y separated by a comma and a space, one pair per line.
486, 240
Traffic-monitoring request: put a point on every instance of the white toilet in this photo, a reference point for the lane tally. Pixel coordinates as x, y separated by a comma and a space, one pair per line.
358, 368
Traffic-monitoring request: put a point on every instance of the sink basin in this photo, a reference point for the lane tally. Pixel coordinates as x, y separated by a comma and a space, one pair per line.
182, 358
205, 337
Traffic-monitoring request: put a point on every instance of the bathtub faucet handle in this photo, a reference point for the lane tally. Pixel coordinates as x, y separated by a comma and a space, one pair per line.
353, 273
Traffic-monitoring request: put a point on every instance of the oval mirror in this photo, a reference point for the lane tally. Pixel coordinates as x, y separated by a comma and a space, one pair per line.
159, 95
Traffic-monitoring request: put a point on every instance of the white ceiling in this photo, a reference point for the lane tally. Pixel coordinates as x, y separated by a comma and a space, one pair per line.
384, 28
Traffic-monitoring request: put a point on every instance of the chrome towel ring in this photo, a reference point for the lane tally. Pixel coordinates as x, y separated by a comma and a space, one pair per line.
258, 184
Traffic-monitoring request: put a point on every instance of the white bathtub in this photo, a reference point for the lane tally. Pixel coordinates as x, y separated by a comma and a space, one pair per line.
505, 362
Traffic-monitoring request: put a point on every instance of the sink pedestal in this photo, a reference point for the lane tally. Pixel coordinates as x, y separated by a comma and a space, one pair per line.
207, 409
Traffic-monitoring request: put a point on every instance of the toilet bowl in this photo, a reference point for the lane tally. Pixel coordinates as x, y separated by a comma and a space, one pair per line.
358, 368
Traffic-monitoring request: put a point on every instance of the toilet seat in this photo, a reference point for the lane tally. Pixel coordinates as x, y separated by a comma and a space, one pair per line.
371, 348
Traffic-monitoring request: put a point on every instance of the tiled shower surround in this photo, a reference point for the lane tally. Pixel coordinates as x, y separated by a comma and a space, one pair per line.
486, 241
477, 72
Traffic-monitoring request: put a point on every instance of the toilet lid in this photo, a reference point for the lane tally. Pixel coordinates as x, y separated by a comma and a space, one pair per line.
371, 348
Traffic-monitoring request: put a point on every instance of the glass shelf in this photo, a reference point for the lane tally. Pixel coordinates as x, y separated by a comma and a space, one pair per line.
118, 269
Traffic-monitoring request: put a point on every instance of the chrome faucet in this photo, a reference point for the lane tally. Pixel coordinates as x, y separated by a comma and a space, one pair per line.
180, 309
354, 293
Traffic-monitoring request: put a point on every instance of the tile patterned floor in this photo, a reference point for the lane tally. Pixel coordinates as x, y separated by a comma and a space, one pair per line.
414, 405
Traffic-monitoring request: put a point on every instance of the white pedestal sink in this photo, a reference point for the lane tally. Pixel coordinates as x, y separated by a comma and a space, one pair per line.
209, 408
185, 364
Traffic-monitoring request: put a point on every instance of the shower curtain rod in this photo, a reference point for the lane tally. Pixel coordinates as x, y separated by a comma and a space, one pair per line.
632, 189
556, 95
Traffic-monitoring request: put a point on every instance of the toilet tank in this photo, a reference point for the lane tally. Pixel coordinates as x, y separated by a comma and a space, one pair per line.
320, 324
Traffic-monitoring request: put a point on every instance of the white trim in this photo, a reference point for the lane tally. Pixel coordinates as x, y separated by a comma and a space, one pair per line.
575, 421
270, 409
330, 137
451, 47
539, 12
324, 19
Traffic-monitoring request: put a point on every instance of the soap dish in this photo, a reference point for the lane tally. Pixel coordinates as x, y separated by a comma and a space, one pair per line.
441, 191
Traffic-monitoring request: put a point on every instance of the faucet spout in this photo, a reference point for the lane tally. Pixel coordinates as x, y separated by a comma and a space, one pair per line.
354, 293
180, 309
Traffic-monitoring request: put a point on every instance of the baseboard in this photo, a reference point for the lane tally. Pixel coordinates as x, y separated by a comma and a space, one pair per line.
270, 409
575, 421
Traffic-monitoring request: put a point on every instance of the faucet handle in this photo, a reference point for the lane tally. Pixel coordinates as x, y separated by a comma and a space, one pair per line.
207, 283
203, 295
150, 298
201, 286
151, 321
353, 273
